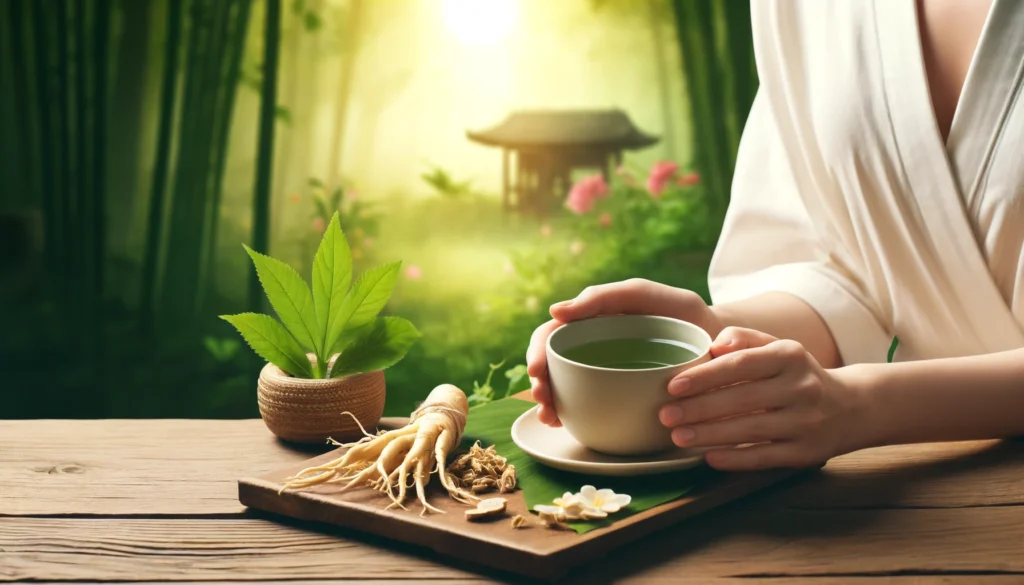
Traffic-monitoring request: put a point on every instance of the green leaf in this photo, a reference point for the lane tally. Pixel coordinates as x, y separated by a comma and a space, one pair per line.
491, 424
518, 380
332, 276
289, 296
365, 299
348, 337
381, 346
272, 342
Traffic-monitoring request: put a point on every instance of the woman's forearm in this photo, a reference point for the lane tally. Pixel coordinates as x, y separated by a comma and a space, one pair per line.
784, 316
979, 397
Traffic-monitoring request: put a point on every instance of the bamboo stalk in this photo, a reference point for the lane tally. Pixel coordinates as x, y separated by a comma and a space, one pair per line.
229, 87
693, 58
290, 81
66, 203
158, 188
179, 270
101, 88
125, 188
198, 177
348, 60
51, 216
265, 149
81, 200
661, 67
25, 101
11, 176
739, 60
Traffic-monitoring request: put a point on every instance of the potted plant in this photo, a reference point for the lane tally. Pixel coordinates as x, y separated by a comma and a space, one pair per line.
327, 355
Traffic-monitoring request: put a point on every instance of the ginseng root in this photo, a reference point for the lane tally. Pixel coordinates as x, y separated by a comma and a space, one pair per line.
389, 460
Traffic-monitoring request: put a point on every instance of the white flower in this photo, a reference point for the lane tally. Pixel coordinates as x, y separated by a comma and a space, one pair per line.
604, 500
589, 504
555, 511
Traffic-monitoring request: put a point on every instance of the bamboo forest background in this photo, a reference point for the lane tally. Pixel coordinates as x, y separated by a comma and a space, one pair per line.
144, 141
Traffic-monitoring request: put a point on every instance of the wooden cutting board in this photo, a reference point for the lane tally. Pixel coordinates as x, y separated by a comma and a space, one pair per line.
532, 550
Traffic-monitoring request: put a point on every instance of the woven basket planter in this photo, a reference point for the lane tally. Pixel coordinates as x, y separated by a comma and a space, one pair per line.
309, 411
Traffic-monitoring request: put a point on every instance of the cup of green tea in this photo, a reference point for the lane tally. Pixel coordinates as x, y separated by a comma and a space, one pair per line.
609, 378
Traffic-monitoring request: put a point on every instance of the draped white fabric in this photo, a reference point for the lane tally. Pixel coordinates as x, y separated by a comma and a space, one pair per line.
846, 196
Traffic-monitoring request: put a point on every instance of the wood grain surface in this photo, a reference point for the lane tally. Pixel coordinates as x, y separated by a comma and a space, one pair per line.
156, 501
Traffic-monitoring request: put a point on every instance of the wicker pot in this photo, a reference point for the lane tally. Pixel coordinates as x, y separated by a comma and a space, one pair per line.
309, 411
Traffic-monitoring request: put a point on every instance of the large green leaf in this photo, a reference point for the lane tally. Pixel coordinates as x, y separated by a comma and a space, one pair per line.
365, 299
272, 342
350, 336
332, 275
381, 345
491, 424
289, 296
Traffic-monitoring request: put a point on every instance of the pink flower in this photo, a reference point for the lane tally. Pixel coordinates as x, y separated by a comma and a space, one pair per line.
545, 230
661, 172
606, 219
688, 179
576, 248
351, 195
413, 272
294, 198
319, 225
585, 193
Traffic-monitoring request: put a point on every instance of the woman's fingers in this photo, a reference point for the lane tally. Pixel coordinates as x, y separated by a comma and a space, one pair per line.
740, 399
765, 456
546, 414
536, 357
752, 428
741, 366
733, 339
634, 296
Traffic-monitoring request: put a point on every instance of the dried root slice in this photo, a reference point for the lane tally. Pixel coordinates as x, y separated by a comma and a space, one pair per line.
518, 521
507, 482
480, 471
487, 508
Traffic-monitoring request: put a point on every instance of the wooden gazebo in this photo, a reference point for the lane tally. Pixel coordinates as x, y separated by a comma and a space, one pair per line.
548, 145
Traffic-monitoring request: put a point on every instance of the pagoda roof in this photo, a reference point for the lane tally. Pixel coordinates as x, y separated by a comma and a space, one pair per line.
610, 128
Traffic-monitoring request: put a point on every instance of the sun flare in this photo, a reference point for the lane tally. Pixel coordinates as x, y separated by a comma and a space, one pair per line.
480, 22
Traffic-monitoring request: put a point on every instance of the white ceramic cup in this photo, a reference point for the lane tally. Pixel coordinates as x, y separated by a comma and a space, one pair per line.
615, 411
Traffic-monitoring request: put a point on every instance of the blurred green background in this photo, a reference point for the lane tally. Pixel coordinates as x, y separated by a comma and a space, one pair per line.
143, 141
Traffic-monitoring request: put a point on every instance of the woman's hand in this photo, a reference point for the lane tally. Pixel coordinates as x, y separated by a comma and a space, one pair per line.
763, 391
634, 296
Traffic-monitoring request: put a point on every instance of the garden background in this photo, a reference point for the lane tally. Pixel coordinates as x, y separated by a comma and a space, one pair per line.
143, 141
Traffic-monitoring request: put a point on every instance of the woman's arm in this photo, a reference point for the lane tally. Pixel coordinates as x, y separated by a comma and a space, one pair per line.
783, 316
978, 397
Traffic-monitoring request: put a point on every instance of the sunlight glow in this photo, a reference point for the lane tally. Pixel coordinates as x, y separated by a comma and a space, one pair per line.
480, 22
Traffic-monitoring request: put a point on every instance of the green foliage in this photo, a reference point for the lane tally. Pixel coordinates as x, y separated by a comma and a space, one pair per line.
381, 343
334, 319
222, 350
445, 185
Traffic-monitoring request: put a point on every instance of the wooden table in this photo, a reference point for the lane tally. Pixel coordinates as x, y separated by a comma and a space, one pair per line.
156, 500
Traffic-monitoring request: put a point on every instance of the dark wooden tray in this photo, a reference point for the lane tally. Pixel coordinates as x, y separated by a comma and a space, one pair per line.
534, 550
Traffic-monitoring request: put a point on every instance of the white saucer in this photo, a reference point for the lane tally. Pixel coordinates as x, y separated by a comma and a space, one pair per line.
556, 448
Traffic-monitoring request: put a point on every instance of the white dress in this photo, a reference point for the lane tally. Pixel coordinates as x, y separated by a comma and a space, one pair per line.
846, 196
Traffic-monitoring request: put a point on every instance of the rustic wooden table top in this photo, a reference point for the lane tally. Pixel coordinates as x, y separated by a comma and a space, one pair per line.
156, 500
